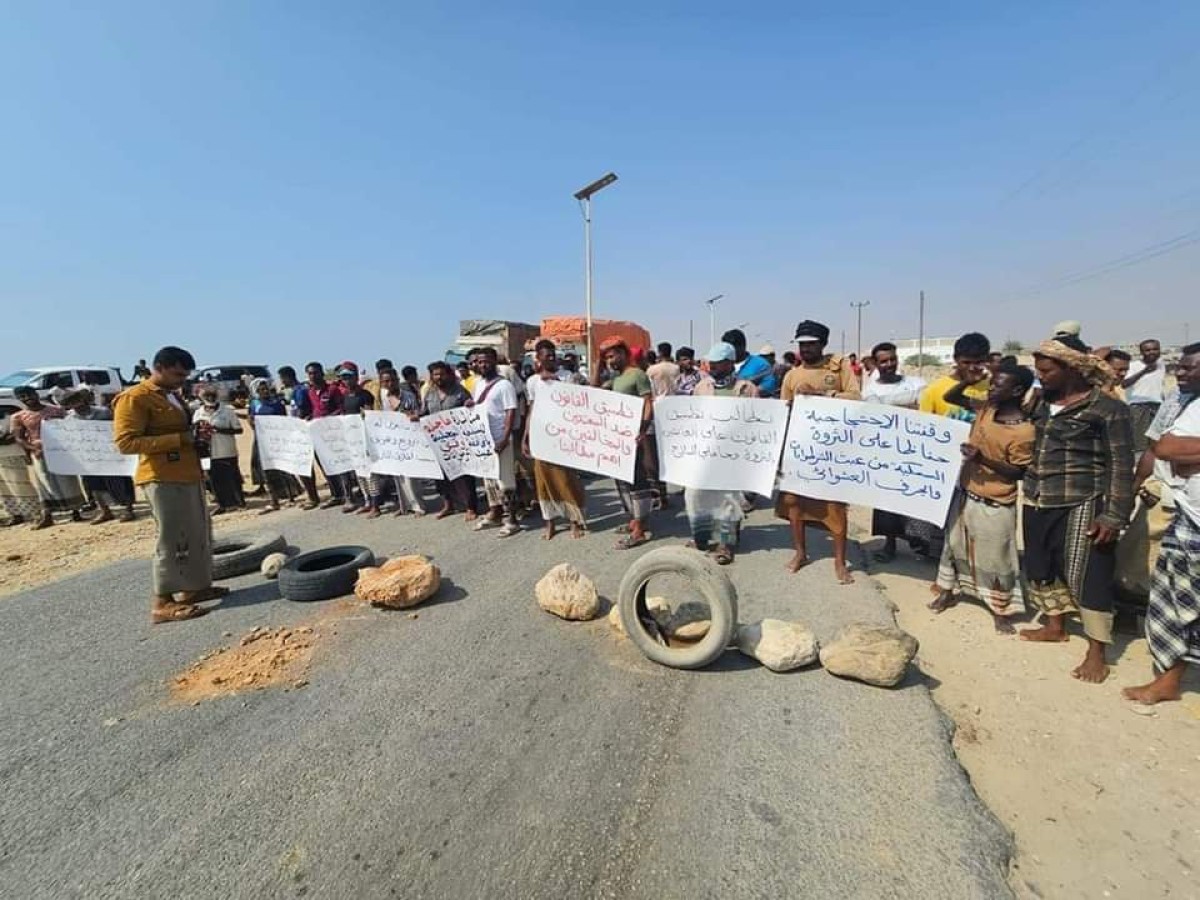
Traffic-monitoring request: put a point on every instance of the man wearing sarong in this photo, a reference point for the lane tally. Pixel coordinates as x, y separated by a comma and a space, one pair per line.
80, 404
56, 493
1078, 497
980, 557
715, 517
639, 498
1173, 616
817, 374
560, 492
152, 420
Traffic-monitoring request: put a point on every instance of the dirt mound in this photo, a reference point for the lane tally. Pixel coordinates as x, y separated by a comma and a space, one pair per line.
261, 659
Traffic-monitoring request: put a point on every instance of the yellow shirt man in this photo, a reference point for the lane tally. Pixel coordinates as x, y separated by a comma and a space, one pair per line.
933, 398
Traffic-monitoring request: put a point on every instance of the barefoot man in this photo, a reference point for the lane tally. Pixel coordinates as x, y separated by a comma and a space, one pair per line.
152, 420
1078, 497
817, 374
1173, 618
980, 557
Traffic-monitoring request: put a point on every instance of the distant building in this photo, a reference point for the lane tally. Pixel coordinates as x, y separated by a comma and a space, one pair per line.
940, 348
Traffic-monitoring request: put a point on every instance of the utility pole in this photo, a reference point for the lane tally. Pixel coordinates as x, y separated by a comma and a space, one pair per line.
584, 196
859, 307
921, 338
712, 317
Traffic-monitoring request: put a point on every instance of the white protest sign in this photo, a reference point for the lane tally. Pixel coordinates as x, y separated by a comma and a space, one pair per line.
463, 443
720, 443
873, 455
284, 444
84, 447
398, 446
340, 444
586, 428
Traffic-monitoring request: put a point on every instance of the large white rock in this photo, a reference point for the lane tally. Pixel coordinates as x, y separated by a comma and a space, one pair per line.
686, 621
876, 654
272, 563
778, 645
567, 593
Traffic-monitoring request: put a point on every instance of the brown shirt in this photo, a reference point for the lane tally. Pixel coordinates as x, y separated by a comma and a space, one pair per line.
831, 377
1012, 444
147, 423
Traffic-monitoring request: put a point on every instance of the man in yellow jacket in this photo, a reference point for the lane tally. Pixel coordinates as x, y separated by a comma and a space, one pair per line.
152, 420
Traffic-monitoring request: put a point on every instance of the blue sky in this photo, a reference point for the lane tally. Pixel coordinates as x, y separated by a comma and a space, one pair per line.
274, 182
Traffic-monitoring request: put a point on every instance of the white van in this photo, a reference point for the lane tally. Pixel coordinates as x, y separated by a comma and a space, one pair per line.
51, 382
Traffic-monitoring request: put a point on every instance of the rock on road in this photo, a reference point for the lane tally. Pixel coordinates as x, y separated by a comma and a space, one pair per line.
483, 749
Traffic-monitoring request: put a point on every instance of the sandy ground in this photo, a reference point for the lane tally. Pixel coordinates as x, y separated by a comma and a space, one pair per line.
1099, 795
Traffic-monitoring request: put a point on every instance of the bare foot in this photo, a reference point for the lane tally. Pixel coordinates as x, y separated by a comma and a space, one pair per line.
104, 515
1043, 635
798, 562
444, 512
551, 531
843, 574
471, 517
1002, 625
1154, 692
577, 531
943, 601
1094, 668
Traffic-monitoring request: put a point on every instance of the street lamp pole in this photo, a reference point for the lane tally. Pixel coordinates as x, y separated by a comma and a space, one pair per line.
859, 306
712, 317
584, 196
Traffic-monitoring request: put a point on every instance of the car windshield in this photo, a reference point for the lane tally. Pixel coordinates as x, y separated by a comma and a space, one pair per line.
16, 379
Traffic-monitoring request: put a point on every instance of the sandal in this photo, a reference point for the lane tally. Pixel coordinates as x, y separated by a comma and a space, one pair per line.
176, 612
210, 593
629, 541
723, 557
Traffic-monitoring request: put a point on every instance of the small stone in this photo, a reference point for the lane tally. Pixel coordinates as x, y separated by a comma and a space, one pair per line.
875, 654
614, 619
689, 621
778, 645
227, 634
109, 723
414, 615
399, 583
272, 564
303, 682
567, 593
13, 557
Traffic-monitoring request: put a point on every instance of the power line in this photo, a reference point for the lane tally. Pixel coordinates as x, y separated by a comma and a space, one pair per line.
1162, 248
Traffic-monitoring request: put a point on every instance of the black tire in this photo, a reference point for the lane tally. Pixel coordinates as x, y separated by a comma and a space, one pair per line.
240, 554
712, 583
322, 574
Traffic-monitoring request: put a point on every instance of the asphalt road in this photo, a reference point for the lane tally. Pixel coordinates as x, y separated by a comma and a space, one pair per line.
485, 749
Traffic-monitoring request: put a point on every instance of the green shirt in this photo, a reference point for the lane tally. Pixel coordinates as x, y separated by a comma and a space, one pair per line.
634, 382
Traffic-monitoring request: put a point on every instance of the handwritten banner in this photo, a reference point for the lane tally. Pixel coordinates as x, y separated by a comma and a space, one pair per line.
398, 446
463, 443
873, 455
83, 447
720, 443
340, 444
586, 428
284, 444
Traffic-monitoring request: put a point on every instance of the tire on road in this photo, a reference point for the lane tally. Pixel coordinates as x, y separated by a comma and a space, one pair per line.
707, 578
322, 574
240, 554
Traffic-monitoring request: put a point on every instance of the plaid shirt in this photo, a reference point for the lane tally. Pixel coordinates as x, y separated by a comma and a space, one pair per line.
1083, 451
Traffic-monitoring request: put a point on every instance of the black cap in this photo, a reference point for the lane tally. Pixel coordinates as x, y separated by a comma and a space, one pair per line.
808, 330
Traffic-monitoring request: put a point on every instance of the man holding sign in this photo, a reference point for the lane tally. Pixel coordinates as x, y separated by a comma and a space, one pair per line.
637, 498
817, 374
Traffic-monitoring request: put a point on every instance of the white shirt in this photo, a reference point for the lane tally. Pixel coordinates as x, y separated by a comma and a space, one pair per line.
500, 400
1148, 388
223, 446
1187, 490
905, 392
662, 377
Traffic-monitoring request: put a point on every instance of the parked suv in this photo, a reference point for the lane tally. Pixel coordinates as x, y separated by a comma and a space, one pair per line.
229, 379
51, 382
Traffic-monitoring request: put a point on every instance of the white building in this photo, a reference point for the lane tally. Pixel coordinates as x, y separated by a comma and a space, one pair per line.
941, 348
